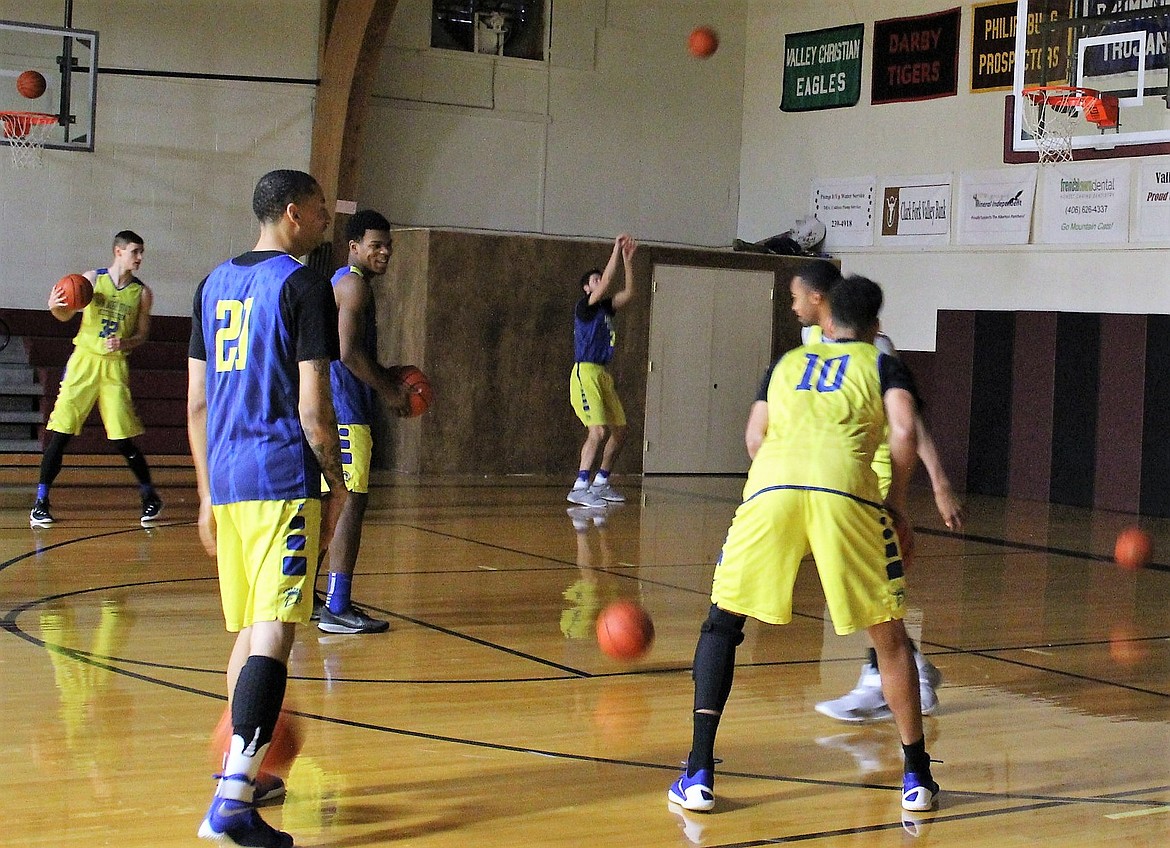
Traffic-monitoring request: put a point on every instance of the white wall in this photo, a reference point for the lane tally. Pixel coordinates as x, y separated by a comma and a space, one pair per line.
175, 159
620, 130
782, 151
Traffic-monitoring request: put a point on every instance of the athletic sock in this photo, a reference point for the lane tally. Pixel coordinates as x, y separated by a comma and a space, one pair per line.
42, 491
601, 479
873, 657
702, 754
340, 586
916, 758
582, 479
256, 705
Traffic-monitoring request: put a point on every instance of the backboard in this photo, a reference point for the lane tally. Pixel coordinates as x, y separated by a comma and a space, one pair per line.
67, 59
1117, 47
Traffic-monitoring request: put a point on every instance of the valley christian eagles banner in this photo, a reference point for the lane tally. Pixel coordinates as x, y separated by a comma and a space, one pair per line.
916, 58
822, 69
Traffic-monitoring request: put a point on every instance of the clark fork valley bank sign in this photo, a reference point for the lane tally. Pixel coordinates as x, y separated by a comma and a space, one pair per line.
822, 69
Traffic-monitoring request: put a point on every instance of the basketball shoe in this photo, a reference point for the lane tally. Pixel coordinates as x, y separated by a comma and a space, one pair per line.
695, 792
151, 508
238, 823
269, 787
919, 792
865, 702
584, 496
607, 493
352, 619
40, 516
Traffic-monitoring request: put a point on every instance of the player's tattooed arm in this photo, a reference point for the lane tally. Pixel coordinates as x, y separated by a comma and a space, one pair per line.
319, 420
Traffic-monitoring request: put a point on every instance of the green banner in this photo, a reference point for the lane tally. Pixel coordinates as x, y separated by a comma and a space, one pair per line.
822, 69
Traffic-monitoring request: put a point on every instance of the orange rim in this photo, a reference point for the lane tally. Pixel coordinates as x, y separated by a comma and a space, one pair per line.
18, 124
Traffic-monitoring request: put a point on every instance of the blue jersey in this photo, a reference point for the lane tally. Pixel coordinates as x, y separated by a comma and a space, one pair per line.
593, 334
353, 400
255, 318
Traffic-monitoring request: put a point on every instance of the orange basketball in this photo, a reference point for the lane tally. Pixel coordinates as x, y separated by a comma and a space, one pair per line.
1133, 548
77, 289
31, 84
287, 740
703, 42
624, 630
422, 395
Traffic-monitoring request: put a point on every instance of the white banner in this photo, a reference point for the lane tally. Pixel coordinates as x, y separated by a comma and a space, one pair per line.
995, 207
915, 210
1153, 202
1085, 203
845, 207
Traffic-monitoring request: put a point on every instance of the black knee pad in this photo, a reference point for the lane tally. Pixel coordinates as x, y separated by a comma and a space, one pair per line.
723, 623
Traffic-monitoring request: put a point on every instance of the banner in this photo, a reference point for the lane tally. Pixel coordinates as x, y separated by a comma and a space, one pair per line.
995, 207
1153, 202
993, 46
1122, 57
916, 210
1085, 203
822, 69
916, 58
845, 207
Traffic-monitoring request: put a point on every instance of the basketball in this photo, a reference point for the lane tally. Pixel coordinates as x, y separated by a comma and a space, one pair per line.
703, 42
624, 630
287, 740
77, 289
1133, 548
422, 395
30, 84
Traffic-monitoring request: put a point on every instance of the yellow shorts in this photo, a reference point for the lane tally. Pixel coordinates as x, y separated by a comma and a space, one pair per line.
357, 447
267, 555
853, 542
89, 378
593, 396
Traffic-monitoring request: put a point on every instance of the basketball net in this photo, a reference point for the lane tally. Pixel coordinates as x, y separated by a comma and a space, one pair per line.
1050, 122
25, 133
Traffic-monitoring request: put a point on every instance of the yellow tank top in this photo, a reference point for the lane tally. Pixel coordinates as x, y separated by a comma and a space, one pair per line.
113, 313
826, 419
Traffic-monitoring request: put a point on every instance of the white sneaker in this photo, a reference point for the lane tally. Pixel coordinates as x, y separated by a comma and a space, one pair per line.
865, 702
607, 493
928, 678
585, 497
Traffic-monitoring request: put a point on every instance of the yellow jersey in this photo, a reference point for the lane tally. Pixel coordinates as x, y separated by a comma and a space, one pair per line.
113, 313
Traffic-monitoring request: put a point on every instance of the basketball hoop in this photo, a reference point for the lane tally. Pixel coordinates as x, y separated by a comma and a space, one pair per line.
1052, 111
25, 133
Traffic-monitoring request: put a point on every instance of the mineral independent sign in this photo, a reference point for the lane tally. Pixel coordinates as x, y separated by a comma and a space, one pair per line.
822, 69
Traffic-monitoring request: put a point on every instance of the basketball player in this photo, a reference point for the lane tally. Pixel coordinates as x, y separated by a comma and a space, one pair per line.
865, 702
591, 389
820, 416
115, 322
355, 379
263, 432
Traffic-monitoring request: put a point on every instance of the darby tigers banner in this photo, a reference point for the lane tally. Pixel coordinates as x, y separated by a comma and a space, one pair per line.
916, 58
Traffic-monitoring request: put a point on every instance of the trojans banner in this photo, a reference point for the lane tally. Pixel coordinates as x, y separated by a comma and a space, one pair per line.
822, 69
916, 58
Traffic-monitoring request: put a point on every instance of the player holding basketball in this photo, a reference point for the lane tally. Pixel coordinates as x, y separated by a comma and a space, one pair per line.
355, 380
821, 414
591, 389
115, 321
263, 432
810, 303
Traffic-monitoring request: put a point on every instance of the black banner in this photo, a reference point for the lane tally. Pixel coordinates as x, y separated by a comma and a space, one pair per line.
993, 46
916, 58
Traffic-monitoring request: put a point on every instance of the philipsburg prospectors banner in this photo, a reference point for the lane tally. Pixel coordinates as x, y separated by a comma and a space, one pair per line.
822, 69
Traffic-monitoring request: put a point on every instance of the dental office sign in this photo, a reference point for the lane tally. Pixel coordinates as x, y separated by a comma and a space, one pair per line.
1086, 203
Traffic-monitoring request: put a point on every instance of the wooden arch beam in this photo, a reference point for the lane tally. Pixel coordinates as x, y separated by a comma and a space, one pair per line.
354, 32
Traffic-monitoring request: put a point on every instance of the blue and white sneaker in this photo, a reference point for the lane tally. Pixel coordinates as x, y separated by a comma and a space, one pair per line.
918, 794
237, 823
695, 792
269, 787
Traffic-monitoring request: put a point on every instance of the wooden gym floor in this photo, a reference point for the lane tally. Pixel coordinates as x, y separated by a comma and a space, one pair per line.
487, 717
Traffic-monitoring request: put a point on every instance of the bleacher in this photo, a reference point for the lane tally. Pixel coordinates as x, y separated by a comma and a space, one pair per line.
30, 375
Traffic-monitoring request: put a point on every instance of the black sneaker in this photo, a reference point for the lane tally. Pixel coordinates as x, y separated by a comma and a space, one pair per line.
40, 516
350, 620
318, 605
151, 508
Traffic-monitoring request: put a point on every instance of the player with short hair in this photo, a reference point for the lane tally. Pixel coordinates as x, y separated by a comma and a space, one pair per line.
820, 415
263, 433
115, 321
356, 378
591, 389
810, 289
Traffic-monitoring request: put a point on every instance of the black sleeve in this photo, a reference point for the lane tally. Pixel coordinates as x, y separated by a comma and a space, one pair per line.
586, 312
196, 349
307, 306
895, 375
762, 394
